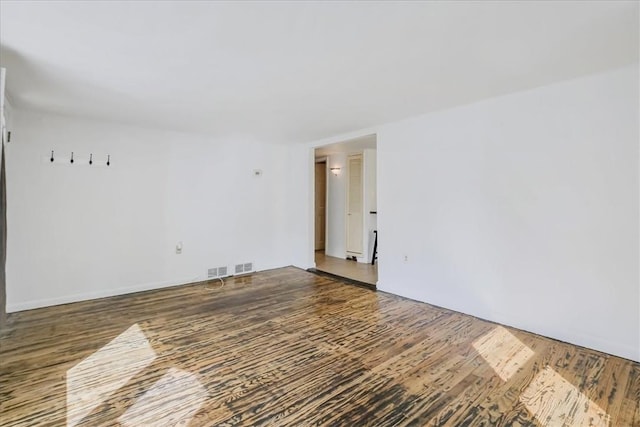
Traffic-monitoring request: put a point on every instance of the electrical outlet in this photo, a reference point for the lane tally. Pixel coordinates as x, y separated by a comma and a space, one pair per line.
406, 258
179, 248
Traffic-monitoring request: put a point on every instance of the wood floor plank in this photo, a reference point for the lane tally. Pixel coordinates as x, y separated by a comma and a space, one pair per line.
286, 347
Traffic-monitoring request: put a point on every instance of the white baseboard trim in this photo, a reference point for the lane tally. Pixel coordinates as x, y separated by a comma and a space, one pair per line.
302, 266
579, 338
66, 299
335, 254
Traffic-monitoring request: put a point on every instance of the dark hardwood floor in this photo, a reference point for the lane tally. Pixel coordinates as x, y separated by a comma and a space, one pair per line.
286, 347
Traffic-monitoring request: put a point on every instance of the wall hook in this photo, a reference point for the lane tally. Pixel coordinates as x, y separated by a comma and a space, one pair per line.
51, 156
90, 159
72, 157
108, 159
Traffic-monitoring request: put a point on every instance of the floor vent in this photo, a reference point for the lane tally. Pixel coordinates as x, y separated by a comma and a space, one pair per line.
244, 268
216, 272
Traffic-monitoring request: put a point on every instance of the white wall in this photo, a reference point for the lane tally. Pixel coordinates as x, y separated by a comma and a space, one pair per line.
3, 135
78, 232
300, 199
336, 206
3, 73
521, 209
6, 109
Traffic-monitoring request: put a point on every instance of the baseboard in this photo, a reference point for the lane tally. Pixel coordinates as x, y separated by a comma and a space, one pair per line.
336, 254
66, 299
572, 337
342, 255
84, 296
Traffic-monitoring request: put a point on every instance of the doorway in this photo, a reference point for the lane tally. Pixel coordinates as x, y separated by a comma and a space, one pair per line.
345, 209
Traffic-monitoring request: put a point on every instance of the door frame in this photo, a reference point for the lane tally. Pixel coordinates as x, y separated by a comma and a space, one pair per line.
325, 160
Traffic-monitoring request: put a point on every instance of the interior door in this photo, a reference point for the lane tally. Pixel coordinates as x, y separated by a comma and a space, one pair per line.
320, 205
354, 205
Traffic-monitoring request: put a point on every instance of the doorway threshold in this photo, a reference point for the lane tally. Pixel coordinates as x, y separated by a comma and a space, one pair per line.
343, 279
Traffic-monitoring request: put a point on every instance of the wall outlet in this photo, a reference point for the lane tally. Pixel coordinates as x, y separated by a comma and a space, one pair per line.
406, 258
179, 248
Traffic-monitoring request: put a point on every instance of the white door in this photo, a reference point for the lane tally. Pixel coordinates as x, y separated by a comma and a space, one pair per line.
354, 205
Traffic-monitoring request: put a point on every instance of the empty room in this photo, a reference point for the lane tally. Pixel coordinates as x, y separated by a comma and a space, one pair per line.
340, 213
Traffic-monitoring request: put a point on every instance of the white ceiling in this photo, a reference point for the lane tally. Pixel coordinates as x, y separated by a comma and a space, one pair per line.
297, 71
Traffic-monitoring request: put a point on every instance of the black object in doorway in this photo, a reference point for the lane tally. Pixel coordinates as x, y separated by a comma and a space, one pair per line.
374, 255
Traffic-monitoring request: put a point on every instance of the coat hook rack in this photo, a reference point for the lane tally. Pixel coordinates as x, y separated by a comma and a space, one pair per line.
78, 161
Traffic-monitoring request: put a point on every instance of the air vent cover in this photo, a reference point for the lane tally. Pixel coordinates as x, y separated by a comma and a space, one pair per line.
212, 272
222, 271
244, 268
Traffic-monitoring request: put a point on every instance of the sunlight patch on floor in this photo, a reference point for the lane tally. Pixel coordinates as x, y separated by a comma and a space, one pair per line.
553, 401
93, 380
172, 401
503, 352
